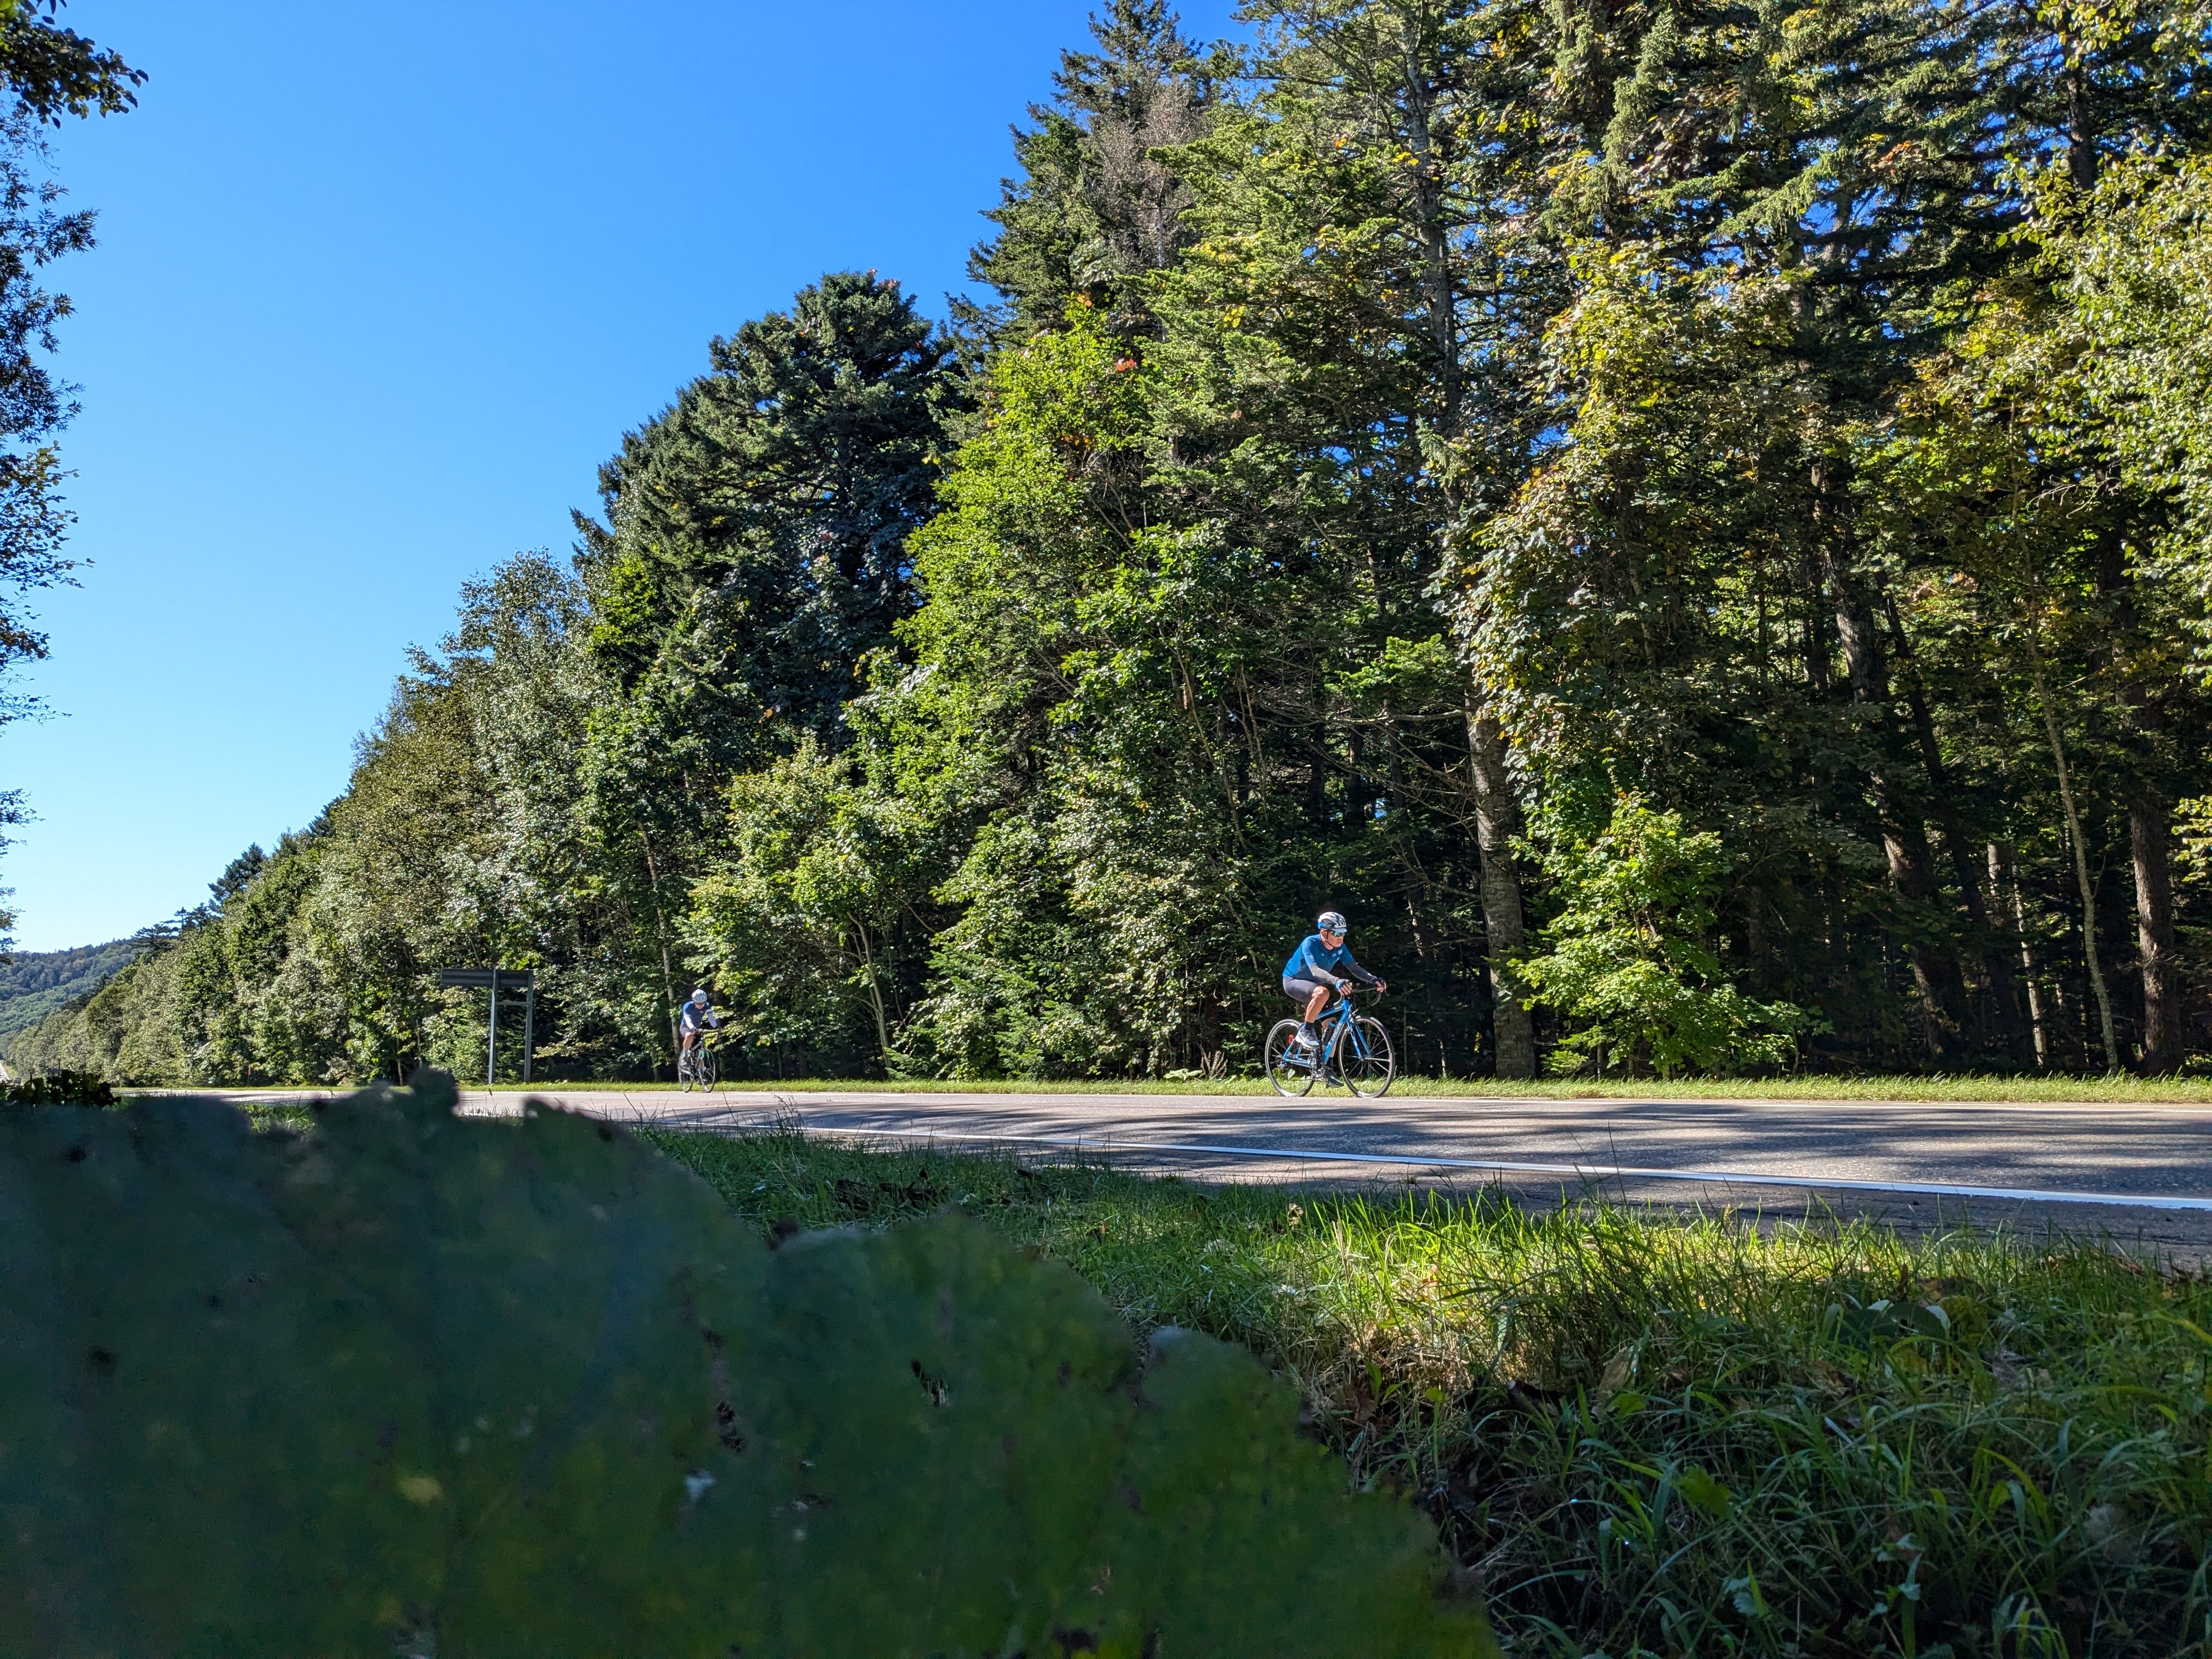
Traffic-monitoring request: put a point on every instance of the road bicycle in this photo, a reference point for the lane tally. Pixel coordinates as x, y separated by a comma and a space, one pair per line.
1350, 1048
695, 1067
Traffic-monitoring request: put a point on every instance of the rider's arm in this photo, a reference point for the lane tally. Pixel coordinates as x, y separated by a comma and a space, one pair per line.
1351, 966
1313, 963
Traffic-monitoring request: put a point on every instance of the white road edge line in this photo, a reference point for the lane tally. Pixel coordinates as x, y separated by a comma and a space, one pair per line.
1584, 1172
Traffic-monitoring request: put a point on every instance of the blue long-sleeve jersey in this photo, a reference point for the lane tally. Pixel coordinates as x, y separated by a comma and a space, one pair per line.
1315, 960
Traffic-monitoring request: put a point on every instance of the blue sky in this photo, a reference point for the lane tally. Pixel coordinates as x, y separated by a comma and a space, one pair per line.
377, 288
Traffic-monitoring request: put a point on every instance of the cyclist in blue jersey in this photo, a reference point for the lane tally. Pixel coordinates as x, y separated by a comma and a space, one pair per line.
1310, 976
695, 1019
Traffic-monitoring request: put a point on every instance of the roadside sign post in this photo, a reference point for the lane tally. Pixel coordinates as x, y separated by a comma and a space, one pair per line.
495, 979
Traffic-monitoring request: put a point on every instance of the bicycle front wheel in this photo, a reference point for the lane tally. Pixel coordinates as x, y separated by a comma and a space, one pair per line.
705, 1069
1290, 1070
1365, 1058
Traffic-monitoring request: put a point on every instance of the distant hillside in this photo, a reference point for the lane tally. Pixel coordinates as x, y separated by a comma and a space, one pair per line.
36, 983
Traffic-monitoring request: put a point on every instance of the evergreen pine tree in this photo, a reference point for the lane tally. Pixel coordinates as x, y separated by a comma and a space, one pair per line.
1096, 206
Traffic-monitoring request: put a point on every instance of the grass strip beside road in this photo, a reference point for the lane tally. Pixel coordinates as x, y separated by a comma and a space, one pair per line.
2117, 1091
1655, 1435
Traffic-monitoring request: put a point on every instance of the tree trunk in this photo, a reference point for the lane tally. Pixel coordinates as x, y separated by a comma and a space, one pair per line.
1903, 837
2071, 1022
2081, 141
2081, 862
1496, 822
1439, 284
2151, 837
660, 934
875, 998
1497, 815
1817, 653
2002, 884
2003, 994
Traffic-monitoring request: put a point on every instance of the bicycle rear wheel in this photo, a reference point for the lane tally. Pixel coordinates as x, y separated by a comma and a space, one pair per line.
1291, 1075
1365, 1058
687, 1068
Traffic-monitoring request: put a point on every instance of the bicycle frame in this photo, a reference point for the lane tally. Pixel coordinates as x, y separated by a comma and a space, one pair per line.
1335, 1028
705, 1049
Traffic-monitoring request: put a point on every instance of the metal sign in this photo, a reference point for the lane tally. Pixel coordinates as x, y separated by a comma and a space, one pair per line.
495, 979
480, 979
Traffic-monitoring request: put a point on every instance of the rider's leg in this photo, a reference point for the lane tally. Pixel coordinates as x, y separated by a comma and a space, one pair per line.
1315, 1004
1307, 996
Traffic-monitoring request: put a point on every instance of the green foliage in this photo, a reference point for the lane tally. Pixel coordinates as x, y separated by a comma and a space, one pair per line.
752, 560
59, 1088
53, 71
756, 529
409, 1382
2130, 257
1052, 630
1097, 206
1793, 421
1632, 961
1660, 1434
801, 918
35, 983
125, 1031
47, 71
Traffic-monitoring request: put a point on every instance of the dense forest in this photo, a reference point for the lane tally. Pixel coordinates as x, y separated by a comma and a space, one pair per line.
1689, 523
35, 983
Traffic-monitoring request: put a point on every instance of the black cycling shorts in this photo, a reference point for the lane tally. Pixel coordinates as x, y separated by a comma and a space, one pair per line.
1298, 989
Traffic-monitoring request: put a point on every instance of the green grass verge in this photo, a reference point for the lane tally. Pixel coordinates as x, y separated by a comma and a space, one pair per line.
2092, 1090
277, 1114
1656, 1436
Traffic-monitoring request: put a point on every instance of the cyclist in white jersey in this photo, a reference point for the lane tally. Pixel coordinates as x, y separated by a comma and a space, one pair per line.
695, 1019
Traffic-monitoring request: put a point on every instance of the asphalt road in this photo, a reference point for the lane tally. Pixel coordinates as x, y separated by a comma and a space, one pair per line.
2138, 1174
